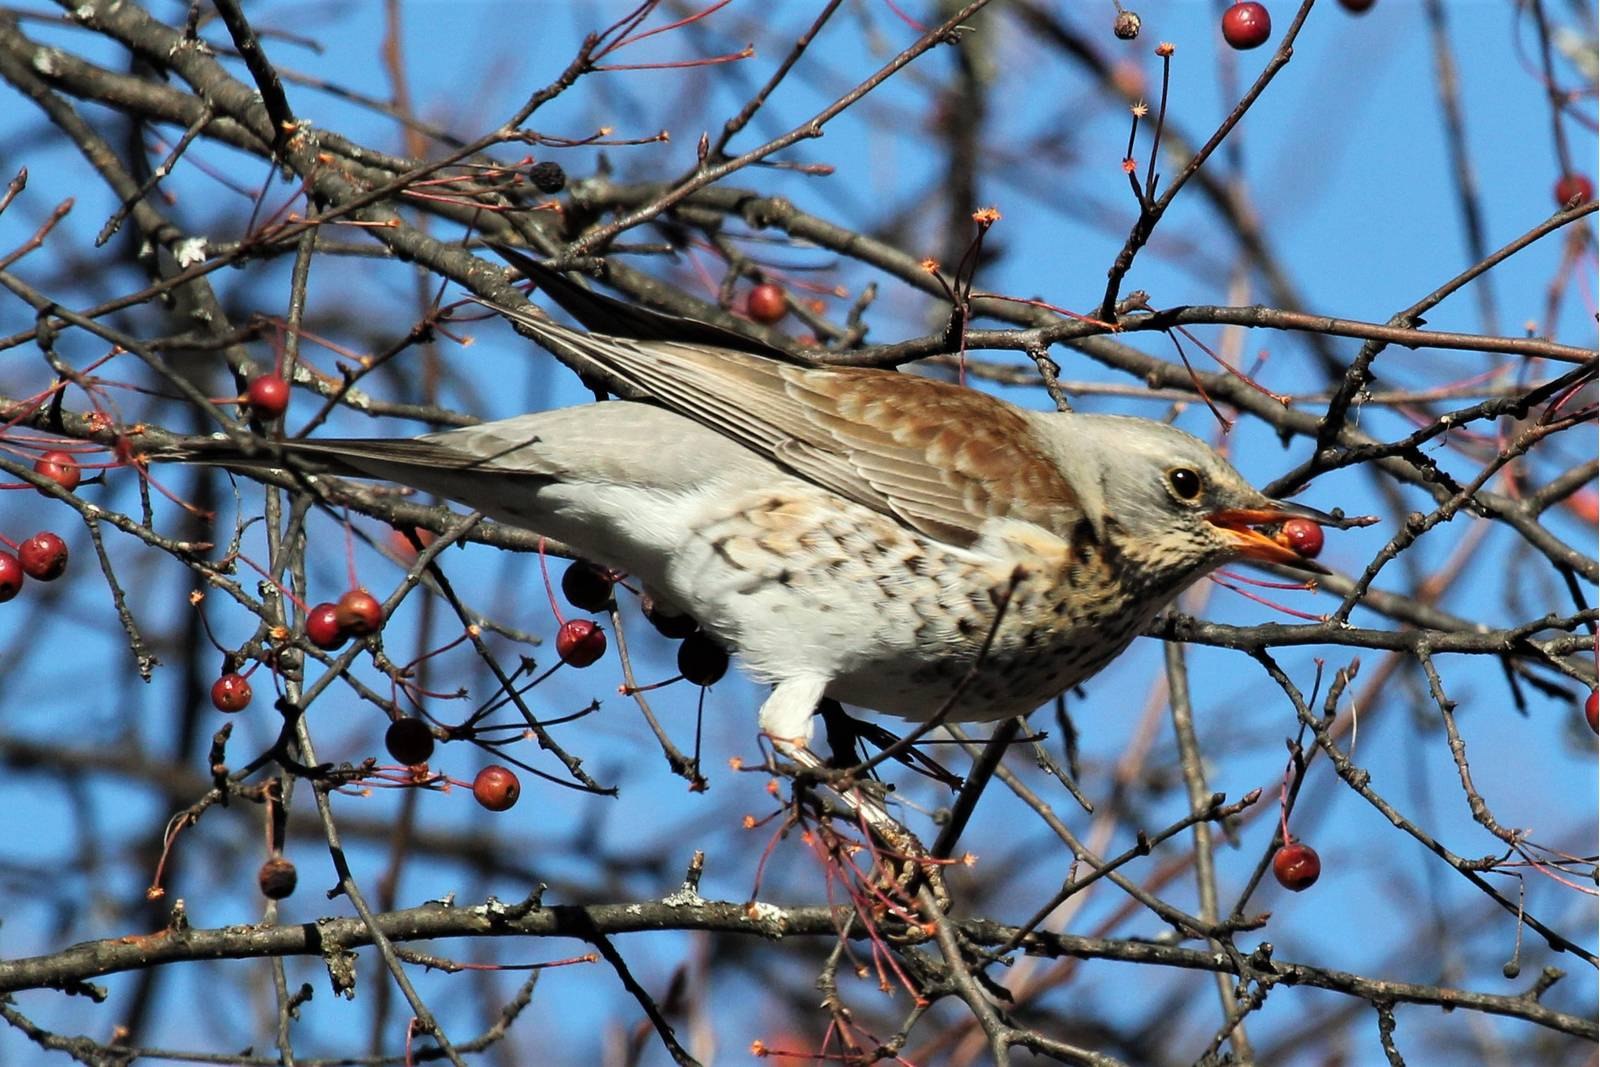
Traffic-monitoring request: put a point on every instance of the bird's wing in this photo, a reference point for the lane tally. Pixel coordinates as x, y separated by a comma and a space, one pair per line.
940, 457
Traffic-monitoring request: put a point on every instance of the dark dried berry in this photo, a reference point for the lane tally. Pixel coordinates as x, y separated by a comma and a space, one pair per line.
586, 586
667, 623
547, 177
409, 741
277, 878
701, 660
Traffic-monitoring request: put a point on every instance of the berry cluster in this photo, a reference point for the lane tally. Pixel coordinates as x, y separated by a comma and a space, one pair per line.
356, 614
42, 557
700, 659
588, 587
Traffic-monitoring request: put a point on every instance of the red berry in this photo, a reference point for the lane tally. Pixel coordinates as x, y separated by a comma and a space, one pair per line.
322, 627
580, 642
10, 576
277, 878
1302, 535
409, 741
402, 544
268, 396
667, 624
1296, 866
358, 613
1591, 710
43, 556
701, 660
231, 692
496, 788
767, 304
1357, 7
1246, 25
60, 468
586, 586
1574, 186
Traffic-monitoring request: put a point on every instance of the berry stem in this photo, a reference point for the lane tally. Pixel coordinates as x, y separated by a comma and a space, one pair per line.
550, 590
350, 551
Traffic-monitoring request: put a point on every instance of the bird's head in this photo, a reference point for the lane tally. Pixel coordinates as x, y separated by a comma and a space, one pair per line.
1169, 500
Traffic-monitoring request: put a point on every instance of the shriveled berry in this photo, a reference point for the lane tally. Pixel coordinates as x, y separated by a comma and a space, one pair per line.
668, 624
1574, 186
10, 576
1357, 7
358, 613
496, 787
60, 468
1302, 535
547, 177
1246, 25
323, 629
767, 304
409, 741
1126, 25
586, 586
580, 642
1296, 866
277, 878
231, 692
701, 660
43, 556
268, 396
1591, 710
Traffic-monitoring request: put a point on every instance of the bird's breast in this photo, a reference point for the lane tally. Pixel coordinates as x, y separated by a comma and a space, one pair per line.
805, 583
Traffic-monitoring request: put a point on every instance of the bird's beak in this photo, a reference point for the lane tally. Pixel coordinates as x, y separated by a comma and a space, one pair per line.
1238, 525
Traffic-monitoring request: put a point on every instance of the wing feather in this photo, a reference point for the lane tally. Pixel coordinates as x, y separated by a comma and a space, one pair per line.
940, 457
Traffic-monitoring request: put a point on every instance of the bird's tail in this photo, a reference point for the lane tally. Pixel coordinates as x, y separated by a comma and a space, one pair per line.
345, 457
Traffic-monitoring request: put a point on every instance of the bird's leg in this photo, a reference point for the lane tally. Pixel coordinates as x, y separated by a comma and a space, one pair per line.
844, 740
787, 718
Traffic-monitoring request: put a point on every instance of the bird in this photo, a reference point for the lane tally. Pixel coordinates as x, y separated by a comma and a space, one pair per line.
887, 540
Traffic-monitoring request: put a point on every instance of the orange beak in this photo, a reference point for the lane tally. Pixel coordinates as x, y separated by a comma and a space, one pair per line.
1238, 525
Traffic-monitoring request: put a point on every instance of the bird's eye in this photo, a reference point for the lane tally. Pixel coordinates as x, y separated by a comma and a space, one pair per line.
1185, 482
